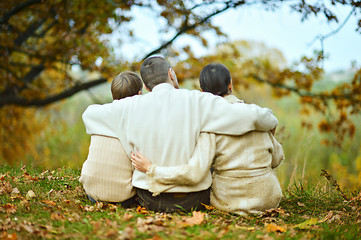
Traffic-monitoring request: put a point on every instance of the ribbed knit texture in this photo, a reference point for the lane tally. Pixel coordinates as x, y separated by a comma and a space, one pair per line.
107, 172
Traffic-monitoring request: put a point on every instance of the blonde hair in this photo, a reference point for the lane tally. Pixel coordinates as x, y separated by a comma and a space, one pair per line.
126, 84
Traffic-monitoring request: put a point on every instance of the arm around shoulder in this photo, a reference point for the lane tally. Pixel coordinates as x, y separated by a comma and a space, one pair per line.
98, 119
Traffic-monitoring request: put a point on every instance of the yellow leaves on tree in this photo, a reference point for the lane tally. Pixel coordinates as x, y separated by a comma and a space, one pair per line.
253, 62
20, 128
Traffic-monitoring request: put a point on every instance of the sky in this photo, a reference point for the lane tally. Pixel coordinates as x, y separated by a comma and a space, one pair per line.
281, 29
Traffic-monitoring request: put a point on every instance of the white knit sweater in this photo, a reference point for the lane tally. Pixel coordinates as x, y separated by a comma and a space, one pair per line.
107, 172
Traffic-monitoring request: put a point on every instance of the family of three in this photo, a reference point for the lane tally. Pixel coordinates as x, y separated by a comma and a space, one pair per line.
176, 150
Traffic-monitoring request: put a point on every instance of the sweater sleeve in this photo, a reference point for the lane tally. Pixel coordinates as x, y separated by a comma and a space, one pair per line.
161, 178
99, 119
277, 154
219, 116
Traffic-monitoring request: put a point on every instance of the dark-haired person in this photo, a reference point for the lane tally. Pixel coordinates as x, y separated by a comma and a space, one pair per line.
107, 172
243, 179
165, 123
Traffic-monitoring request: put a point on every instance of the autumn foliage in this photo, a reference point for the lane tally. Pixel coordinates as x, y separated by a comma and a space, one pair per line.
41, 41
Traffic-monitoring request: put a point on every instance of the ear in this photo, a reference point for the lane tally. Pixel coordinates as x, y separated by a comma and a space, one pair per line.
230, 87
140, 92
173, 78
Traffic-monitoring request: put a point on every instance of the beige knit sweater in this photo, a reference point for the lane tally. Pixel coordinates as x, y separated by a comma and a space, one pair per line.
106, 174
244, 180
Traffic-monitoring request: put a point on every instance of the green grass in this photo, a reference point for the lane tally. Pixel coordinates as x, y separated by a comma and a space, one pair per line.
61, 210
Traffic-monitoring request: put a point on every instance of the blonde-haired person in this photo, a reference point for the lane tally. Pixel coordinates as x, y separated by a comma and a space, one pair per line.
243, 180
107, 172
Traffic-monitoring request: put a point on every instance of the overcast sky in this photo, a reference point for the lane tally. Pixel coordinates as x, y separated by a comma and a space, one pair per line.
281, 29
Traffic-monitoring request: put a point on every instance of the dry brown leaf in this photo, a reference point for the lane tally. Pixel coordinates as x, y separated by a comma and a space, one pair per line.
300, 204
8, 208
264, 237
8, 236
196, 219
57, 216
156, 237
274, 228
142, 210
30, 229
27, 176
328, 217
89, 208
5, 187
274, 212
128, 233
208, 207
50, 203
127, 217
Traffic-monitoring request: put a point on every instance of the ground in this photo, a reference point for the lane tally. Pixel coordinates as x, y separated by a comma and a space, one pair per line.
38, 204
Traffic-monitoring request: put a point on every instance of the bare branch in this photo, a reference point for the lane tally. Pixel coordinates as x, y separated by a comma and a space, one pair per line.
21, 101
187, 27
33, 73
300, 93
324, 37
17, 9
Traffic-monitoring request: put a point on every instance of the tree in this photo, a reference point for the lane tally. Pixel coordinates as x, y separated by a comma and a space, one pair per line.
40, 41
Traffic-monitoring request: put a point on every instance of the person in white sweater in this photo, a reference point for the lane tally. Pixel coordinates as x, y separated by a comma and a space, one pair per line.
165, 123
107, 172
243, 179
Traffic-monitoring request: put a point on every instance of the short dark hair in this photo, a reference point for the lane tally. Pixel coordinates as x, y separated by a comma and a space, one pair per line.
154, 71
215, 78
126, 84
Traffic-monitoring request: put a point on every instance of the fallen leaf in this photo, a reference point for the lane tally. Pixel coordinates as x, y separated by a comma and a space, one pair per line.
57, 216
15, 191
328, 217
156, 237
208, 207
300, 204
28, 228
30, 194
147, 225
264, 237
5, 187
306, 224
50, 203
127, 217
128, 233
274, 228
142, 210
245, 228
8, 236
274, 212
196, 219
89, 208
8, 208
27, 176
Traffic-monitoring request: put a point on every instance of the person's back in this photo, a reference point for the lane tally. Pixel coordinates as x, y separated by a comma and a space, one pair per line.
106, 174
243, 178
164, 124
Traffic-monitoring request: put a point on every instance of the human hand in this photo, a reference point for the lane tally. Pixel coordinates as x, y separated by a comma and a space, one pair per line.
140, 162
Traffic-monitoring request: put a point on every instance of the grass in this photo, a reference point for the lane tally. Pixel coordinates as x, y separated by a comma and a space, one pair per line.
60, 210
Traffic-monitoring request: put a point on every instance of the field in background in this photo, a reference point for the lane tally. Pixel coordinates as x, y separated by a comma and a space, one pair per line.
66, 142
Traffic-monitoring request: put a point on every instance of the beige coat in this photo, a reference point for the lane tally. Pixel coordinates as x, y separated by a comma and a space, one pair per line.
243, 178
165, 124
106, 174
